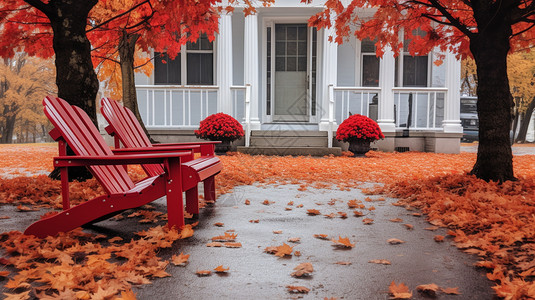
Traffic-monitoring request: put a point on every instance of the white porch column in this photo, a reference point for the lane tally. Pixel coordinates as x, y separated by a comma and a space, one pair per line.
385, 116
224, 65
251, 65
329, 60
452, 118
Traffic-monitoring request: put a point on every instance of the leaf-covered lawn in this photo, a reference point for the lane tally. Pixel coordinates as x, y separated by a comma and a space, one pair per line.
495, 222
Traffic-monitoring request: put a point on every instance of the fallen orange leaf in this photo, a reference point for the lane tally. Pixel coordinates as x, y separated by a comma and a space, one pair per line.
297, 289
380, 261
429, 289
451, 291
395, 241
303, 269
439, 238
399, 291
313, 212
221, 269
203, 273
343, 242
180, 260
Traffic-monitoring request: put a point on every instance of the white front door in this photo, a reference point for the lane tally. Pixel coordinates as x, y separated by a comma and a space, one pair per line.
291, 66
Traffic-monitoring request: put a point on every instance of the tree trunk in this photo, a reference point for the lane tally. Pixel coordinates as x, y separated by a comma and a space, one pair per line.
127, 47
7, 137
75, 76
495, 102
524, 124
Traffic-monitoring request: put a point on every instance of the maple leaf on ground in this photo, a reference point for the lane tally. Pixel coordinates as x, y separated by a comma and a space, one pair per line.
247, 202
214, 244
25, 208
303, 269
115, 239
203, 273
186, 232
485, 264
367, 221
358, 213
219, 224
227, 237
180, 260
294, 240
343, 263
451, 291
4, 273
297, 253
232, 245
439, 238
395, 241
342, 215
313, 212
280, 251
290, 203
221, 269
267, 202
409, 226
277, 231
297, 289
300, 205
380, 261
20, 296
353, 203
399, 291
432, 228
127, 295
428, 289
396, 220
254, 221
343, 242
321, 236
331, 215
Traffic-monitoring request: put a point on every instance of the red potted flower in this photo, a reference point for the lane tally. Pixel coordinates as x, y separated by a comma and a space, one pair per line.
220, 127
359, 131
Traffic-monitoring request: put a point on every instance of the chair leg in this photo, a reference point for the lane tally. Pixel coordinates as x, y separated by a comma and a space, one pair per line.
175, 205
209, 189
192, 200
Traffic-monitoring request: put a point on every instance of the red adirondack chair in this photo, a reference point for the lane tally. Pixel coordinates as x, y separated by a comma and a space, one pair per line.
126, 130
73, 127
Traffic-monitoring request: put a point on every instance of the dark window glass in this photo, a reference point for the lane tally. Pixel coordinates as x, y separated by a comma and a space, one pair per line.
200, 69
166, 71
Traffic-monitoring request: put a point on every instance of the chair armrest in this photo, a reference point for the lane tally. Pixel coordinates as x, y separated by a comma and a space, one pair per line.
206, 148
142, 150
151, 158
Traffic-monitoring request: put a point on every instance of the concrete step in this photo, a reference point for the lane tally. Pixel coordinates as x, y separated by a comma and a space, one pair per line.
288, 138
313, 151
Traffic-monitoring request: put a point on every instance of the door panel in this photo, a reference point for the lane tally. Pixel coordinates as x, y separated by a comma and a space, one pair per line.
290, 76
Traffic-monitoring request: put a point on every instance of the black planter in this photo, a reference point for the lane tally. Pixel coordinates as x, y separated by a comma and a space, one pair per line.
222, 148
359, 147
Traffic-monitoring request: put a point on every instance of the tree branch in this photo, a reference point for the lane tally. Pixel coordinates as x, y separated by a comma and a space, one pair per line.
45, 8
445, 13
120, 15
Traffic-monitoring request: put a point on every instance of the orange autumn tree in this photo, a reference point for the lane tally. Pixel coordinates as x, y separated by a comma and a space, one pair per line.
125, 29
487, 30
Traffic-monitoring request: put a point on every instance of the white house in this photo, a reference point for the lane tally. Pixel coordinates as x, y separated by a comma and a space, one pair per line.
290, 87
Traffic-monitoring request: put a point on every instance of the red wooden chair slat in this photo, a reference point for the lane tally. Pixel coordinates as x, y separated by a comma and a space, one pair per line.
125, 128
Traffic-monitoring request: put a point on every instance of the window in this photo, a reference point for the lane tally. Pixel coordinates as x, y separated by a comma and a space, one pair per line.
193, 66
166, 71
415, 68
370, 63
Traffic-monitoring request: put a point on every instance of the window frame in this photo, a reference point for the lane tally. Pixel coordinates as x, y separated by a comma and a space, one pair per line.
183, 54
399, 65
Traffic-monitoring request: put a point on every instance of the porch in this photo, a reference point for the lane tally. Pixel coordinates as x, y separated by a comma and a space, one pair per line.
171, 113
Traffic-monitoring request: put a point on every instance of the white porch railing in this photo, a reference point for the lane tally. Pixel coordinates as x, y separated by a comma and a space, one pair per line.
241, 109
419, 108
355, 100
170, 106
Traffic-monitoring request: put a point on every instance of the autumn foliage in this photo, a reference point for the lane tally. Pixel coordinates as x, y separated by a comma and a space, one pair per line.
494, 221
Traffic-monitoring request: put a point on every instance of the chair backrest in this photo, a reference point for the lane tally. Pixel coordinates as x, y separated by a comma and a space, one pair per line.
127, 128
84, 139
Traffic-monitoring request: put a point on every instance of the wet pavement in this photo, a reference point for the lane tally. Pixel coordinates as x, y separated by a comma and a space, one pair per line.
255, 274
